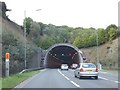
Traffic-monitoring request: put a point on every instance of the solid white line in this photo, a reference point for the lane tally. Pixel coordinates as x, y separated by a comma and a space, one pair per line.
68, 79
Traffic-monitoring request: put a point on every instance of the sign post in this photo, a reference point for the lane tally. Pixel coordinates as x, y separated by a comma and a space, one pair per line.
7, 65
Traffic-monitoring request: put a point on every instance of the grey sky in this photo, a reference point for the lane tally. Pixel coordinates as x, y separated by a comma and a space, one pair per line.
74, 13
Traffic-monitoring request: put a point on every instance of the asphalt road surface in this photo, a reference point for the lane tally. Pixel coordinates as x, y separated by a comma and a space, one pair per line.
55, 78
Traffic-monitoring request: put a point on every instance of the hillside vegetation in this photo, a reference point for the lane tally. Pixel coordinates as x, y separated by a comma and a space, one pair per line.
107, 54
13, 42
44, 35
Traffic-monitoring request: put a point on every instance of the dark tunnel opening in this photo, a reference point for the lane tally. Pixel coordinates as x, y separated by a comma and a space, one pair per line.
61, 54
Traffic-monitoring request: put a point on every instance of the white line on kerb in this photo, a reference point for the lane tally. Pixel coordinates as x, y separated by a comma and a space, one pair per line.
69, 79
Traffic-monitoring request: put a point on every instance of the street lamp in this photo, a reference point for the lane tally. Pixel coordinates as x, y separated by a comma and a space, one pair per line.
25, 37
25, 65
38, 9
97, 49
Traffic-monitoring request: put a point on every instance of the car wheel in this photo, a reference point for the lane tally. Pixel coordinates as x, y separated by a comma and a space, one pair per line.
75, 76
96, 77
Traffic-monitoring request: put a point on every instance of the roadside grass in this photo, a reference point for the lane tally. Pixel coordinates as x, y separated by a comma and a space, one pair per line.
14, 80
0, 83
110, 70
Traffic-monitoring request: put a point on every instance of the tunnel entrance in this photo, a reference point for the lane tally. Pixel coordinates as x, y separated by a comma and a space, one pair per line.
62, 54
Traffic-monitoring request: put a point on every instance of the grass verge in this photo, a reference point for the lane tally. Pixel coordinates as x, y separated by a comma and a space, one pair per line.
0, 83
14, 80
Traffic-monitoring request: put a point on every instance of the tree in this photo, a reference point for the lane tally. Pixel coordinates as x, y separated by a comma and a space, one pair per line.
78, 42
112, 31
42, 26
46, 42
27, 24
102, 36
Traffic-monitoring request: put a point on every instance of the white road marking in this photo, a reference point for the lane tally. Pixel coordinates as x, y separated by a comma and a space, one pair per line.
116, 82
69, 79
103, 78
72, 70
75, 84
102, 72
43, 70
109, 80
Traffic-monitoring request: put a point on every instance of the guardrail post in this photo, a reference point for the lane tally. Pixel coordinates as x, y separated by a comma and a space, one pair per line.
7, 65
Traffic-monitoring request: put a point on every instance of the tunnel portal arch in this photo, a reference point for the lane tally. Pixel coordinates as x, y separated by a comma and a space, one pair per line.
62, 53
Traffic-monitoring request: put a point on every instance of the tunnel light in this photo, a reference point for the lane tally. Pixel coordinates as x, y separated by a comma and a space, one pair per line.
55, 54
62, 54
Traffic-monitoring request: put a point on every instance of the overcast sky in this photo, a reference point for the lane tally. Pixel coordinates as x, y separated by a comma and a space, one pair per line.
73, 13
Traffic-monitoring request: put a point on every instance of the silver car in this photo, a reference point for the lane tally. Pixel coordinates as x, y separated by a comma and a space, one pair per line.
86, 69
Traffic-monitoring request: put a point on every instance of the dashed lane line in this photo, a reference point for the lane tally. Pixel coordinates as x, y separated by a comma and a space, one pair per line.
103, 78
75, 84
109, 80
78, 86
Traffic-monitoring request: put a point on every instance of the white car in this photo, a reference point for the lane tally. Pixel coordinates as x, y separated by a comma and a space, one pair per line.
64, 67
86, 69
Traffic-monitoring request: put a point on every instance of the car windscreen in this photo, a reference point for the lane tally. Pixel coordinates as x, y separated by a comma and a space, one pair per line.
88, 66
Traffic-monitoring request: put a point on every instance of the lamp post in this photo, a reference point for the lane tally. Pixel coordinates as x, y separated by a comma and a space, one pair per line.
25, 38
25, 61
97, 49
39, 62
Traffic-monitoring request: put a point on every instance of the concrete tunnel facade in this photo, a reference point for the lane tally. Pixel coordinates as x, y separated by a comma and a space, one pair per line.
62, 54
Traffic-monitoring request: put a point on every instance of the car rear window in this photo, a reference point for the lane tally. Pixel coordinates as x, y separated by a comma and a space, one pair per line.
88, 66
64, 64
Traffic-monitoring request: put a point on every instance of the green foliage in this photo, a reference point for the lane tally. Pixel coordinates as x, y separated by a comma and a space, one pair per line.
16, 48
46, 42
42, 26
46, 35
112, 31
27, 24
77, 42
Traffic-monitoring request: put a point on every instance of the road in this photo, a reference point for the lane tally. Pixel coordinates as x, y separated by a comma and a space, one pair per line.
55, 78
